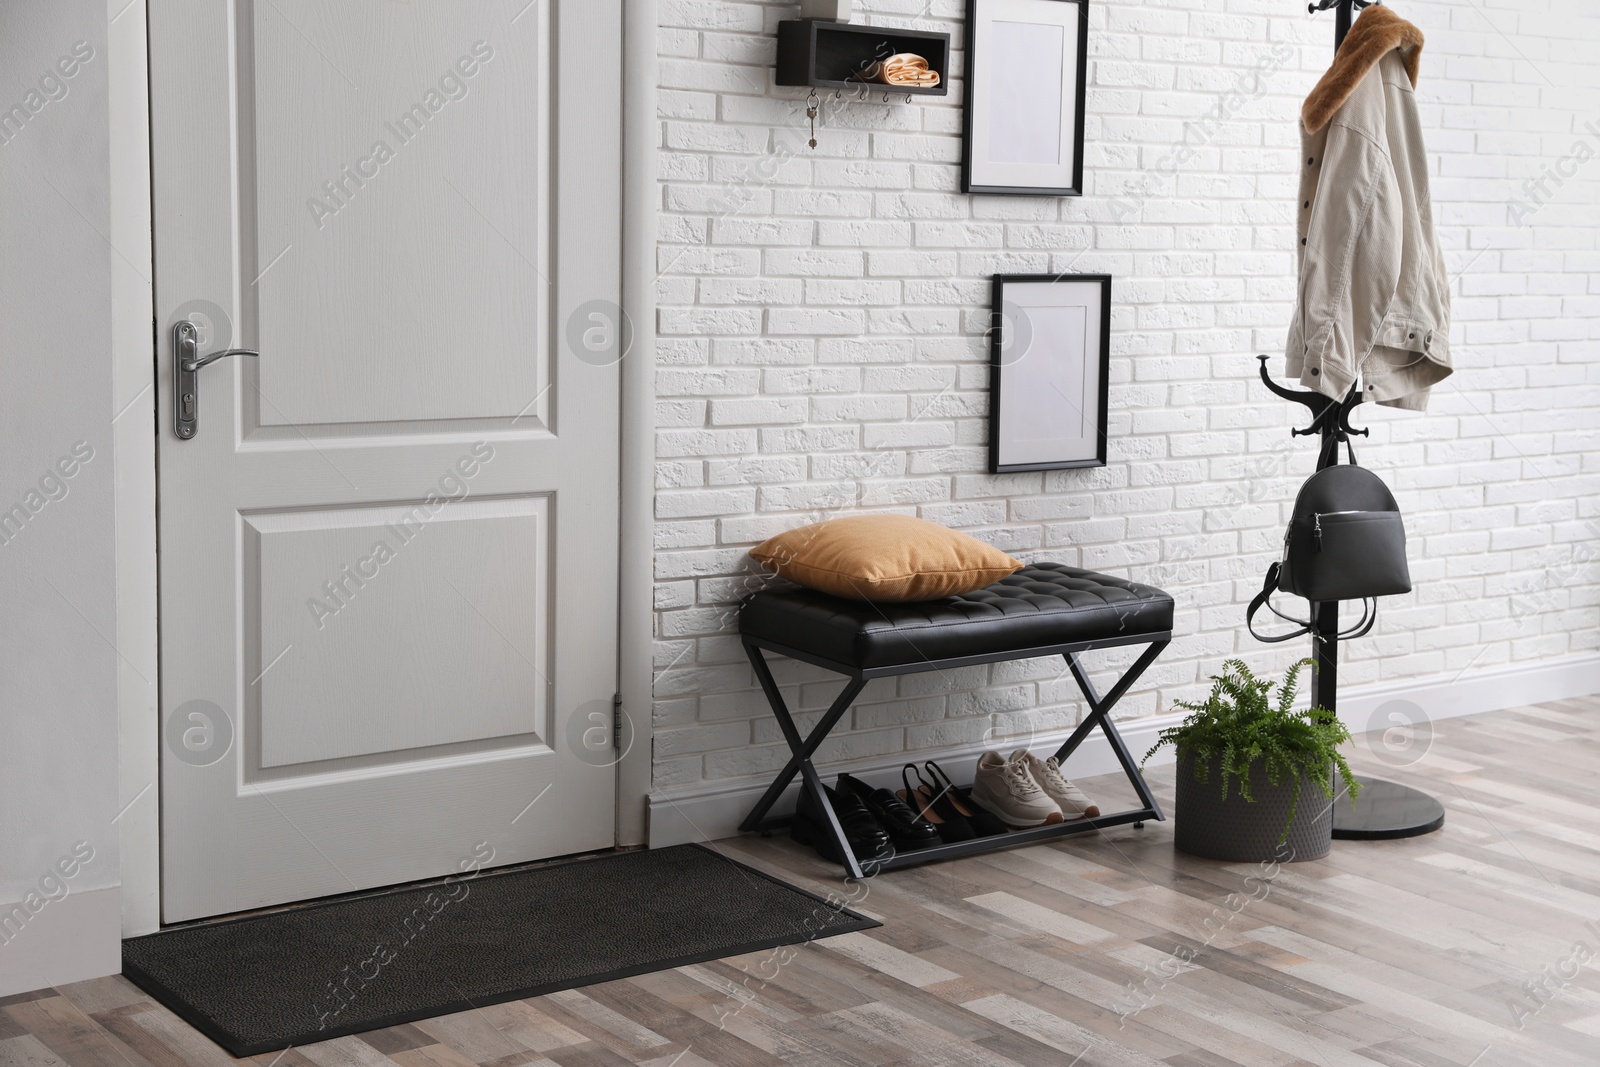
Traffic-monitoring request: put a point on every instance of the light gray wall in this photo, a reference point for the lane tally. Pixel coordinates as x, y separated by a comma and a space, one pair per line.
58, 666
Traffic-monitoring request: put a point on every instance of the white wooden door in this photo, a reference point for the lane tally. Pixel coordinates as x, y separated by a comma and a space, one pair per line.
388, 550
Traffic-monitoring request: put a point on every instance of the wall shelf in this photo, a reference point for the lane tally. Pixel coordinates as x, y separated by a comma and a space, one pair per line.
833, 55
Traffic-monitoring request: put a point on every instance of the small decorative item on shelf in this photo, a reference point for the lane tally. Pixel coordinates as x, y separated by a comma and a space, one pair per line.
1244, 762
830, 10
905, 68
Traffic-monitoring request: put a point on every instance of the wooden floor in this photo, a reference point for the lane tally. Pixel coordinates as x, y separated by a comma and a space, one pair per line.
1461, 948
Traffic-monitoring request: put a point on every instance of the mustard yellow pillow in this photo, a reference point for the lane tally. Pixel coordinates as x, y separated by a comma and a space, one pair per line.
884, 557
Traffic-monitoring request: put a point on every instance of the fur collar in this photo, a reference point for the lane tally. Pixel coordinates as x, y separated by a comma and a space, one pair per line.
1375, 34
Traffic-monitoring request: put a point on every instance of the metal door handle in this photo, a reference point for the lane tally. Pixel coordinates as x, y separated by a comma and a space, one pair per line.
186, 361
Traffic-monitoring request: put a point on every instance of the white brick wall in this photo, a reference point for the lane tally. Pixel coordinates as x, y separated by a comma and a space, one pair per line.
820, 351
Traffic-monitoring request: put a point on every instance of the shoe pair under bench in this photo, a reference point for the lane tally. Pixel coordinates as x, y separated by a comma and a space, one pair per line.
1008, 793
876, 822
1026, 791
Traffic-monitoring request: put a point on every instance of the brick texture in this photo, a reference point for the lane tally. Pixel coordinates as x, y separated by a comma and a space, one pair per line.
820, 352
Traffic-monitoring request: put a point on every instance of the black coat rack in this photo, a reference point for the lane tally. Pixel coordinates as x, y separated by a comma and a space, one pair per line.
1344, 15
1386, 809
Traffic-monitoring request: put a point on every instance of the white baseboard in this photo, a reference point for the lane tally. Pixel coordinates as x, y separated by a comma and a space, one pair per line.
1491, 689
709, 812
68, 940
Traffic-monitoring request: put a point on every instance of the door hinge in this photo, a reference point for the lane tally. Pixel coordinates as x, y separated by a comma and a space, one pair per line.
616, 722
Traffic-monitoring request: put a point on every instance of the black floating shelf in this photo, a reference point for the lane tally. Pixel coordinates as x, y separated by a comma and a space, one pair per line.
836, 55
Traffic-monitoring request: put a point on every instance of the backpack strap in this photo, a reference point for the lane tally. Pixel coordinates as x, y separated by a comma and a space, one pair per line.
1369, 615
1264, 599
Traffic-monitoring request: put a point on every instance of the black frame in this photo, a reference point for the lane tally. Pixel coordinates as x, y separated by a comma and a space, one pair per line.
996, 369
803, 748
973, 96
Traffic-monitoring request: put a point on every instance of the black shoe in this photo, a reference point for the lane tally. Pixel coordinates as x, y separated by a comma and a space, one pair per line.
907, 830
810, 826
943, 791
935, 807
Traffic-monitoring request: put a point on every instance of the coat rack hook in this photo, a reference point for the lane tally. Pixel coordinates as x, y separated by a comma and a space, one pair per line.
1345, 408
1344, 10
1323, 409
1316, 402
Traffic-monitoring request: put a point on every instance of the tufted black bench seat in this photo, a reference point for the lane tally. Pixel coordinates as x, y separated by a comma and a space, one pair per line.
1045, 609
1040, 607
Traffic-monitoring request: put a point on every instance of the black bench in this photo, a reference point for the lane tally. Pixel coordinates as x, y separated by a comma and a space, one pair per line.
1045, 609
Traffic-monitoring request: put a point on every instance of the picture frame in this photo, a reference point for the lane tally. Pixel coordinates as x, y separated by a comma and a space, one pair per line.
1049, 371
1022, 126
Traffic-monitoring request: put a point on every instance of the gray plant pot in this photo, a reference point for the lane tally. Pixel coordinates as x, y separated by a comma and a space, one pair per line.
1243, 832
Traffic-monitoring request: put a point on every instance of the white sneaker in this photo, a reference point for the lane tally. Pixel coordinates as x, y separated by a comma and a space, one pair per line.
1074, 802
1005, 788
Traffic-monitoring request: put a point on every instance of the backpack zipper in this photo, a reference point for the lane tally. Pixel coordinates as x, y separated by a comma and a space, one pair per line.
1316, 523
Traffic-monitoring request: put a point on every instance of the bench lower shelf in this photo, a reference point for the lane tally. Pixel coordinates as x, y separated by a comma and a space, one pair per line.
1013, 839
803, 748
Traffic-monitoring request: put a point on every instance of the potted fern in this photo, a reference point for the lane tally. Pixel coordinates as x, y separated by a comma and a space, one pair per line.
1244, 761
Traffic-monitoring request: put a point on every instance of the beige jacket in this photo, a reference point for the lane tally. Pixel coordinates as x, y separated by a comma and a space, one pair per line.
1374, 298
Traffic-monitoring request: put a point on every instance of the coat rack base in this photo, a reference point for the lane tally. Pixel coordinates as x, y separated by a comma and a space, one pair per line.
1385, 812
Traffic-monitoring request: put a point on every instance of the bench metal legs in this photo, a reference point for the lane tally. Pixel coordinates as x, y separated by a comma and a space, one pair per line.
802, 749
800, 762
1099, 715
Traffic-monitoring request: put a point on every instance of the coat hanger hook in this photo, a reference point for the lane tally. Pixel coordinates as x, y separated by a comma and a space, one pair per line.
1318, 404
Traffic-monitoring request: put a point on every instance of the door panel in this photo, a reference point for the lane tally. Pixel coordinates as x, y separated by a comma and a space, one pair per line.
470, 587
412, 203
388, 556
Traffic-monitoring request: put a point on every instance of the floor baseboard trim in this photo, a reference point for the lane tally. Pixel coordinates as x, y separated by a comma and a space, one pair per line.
74, 938
712, 811
1490, 689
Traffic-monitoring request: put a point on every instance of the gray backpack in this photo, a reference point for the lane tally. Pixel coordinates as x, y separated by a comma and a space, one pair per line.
1345, 541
